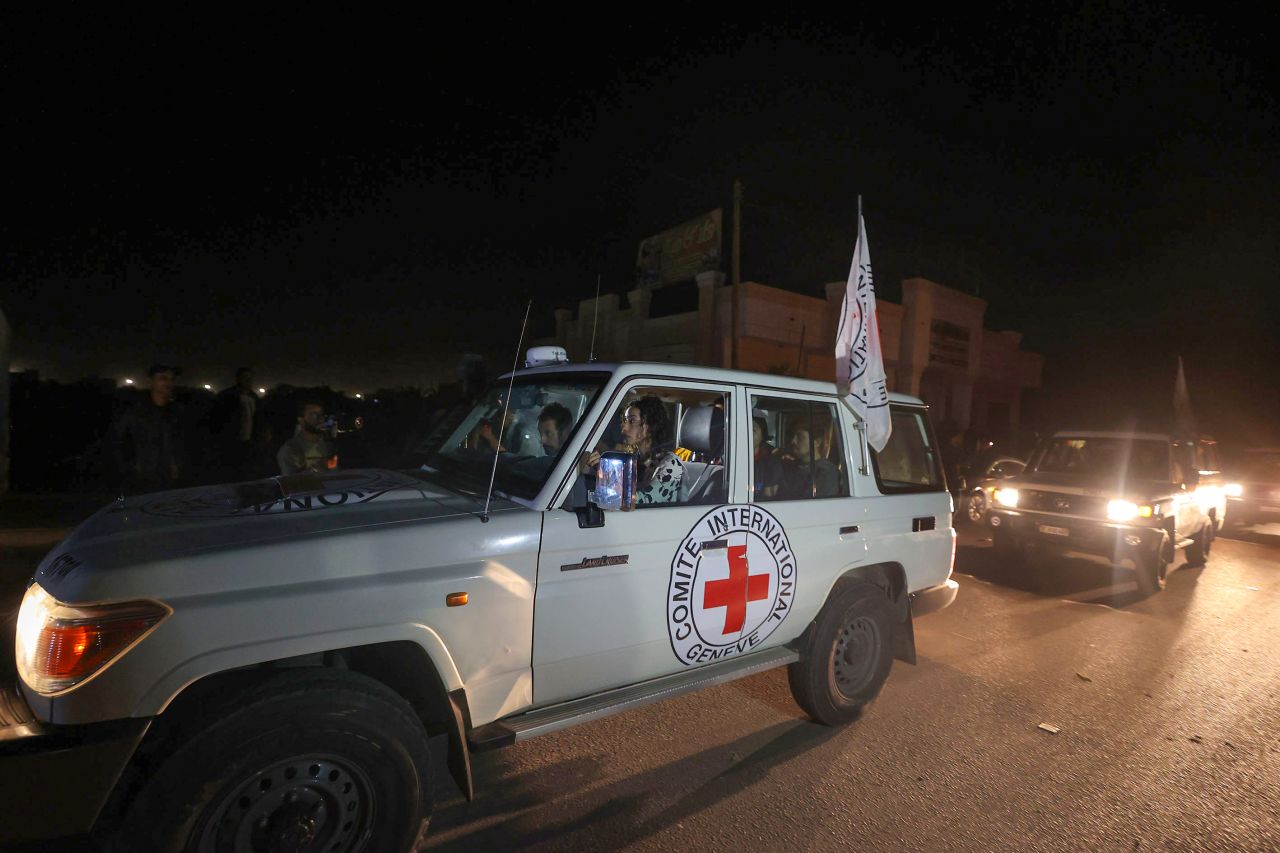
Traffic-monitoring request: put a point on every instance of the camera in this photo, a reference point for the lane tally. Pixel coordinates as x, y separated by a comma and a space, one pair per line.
339, 424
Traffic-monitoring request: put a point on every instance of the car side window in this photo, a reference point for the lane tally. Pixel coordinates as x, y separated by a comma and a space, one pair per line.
1005, 468
678, 439
909, 462
797, 452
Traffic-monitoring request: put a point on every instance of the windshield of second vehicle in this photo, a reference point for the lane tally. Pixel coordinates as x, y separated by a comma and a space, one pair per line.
543, 413
1106, 457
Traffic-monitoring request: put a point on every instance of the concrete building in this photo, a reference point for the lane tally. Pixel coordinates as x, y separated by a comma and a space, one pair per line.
935, 343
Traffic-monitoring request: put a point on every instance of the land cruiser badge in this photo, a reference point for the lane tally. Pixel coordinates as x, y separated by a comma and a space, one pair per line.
733, 579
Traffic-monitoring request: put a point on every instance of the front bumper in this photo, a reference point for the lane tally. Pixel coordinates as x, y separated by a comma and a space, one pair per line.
1111, 540
54, 780
933, 598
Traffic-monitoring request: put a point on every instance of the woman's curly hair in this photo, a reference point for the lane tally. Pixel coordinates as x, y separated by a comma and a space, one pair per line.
655, 417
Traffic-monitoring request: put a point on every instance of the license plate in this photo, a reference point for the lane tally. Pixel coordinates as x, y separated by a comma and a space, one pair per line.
1054, 531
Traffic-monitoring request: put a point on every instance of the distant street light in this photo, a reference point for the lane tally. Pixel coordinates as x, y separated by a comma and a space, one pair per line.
128, 382
262, 390
208, 387
359, 396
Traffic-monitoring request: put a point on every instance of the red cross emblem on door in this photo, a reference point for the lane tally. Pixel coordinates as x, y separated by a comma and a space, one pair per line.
736, 591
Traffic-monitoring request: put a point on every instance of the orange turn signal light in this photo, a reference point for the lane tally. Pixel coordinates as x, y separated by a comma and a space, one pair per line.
60, 645
456, 599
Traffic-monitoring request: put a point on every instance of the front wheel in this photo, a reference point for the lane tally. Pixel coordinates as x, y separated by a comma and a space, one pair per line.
847, 656
1153, 568
977, 507
306, 760
1009, 557
1201, 543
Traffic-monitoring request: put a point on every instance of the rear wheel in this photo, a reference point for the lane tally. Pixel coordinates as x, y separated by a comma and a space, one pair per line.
1153, 569
307, 760
847, 655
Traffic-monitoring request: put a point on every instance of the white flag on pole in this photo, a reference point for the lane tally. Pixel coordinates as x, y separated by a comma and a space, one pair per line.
859, 360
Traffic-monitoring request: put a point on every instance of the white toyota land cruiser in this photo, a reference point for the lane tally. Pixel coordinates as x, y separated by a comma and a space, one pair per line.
259, 666
1126, 497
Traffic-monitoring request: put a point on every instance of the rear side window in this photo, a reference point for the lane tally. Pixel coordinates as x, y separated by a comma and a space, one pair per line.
909, 462
796, 450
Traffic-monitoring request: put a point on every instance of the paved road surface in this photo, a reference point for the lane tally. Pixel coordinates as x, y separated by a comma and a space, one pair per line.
1168, 710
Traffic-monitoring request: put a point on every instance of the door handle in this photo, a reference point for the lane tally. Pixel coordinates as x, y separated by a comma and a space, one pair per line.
921, 524
845, 531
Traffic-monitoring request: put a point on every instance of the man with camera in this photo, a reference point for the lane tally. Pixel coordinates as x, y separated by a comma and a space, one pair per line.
311, 449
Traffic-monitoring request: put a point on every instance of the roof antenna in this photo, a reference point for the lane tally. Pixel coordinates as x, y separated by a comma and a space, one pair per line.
506, 404
595, 316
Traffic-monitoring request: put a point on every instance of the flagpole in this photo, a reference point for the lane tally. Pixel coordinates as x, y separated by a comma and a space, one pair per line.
737, 272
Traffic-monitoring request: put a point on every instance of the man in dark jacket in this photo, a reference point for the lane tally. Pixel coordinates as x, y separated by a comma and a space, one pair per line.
147, 438
237, 425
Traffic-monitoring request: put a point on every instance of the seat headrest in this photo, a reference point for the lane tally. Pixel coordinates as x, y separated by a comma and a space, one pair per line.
702, 430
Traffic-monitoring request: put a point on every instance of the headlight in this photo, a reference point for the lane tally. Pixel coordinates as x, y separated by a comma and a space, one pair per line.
1007, 497
1233, 490
60, 645
1128, 511
1208, 496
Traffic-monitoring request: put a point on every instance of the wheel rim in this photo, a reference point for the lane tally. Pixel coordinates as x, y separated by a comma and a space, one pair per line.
302, 804
855, 656
977, 506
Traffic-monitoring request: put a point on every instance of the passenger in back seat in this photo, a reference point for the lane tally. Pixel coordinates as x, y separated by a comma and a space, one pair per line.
768, 468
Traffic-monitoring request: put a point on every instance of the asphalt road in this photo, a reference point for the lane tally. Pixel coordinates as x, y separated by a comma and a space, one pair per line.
1167, 711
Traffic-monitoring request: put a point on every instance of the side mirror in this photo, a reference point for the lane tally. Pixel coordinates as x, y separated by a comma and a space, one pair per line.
615, 482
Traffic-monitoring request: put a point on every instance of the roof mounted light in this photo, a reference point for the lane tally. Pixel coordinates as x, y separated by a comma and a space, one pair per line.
542, 356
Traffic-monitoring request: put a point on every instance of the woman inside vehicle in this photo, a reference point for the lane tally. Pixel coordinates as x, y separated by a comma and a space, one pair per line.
646, 432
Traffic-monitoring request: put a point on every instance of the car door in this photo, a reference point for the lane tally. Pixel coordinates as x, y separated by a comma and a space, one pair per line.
610, 608
811, 500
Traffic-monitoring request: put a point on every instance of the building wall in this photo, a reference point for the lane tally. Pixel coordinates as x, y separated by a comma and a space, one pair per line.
935, 345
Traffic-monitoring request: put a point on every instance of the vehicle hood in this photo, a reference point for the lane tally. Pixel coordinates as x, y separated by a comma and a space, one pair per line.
1090, 486
183, 523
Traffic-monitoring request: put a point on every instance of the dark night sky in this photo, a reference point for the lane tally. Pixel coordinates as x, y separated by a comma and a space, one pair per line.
360, 206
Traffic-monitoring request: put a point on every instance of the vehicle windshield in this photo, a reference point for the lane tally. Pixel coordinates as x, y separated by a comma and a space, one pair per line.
543, 414
1130, 459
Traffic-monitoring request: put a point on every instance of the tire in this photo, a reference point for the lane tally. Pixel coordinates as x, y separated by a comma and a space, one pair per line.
1198, 551
308, 759
977, 508
1153, 569
847, 656
1008, 555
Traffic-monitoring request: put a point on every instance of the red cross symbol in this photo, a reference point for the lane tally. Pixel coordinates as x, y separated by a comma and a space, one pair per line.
734, 592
